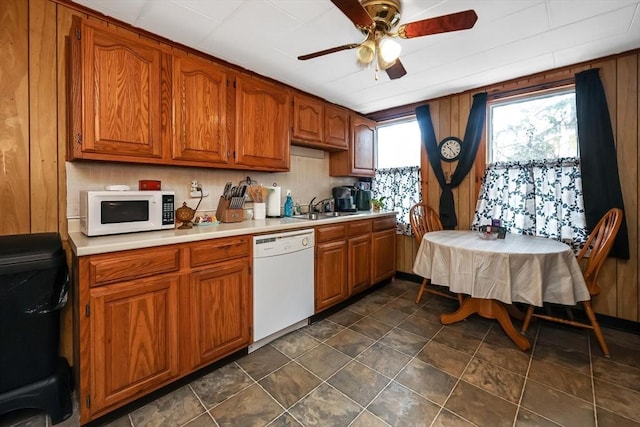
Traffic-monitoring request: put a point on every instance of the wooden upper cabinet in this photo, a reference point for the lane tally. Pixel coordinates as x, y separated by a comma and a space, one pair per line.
308, 119
320, 125
116, 86
336, 127
359, 160
199, 110
261, 125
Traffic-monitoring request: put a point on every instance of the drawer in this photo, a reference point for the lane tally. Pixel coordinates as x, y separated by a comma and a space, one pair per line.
330, 232
384, 223
122, 266
212, 251
358, 227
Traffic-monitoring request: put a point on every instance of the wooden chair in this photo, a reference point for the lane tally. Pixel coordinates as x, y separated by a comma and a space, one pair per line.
598, 245
424, 219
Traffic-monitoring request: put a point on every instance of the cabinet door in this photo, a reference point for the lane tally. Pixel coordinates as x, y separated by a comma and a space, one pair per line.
262, 125
220, 311
336, 127
120, 94
383, 255
134, 339
363, 146
359, 160
308, 119
359, 263
331, 274
200, 113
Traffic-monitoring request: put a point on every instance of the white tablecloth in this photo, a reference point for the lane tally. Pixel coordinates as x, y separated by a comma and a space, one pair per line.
518, 268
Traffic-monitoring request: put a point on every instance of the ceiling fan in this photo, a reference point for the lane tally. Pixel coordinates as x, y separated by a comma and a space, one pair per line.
376, 19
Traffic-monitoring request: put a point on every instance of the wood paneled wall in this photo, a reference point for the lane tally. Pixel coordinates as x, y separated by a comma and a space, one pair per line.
620, 75
33, 123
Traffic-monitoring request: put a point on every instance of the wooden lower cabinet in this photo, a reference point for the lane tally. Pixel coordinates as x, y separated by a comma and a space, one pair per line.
134, 338
220, 304
359, 251
331, 274
352, 256
135, 334
383, 249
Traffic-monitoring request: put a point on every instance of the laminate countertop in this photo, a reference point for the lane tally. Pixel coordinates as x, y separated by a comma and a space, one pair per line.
83, 245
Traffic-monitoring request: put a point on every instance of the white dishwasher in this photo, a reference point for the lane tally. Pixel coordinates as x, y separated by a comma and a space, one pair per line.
283, 296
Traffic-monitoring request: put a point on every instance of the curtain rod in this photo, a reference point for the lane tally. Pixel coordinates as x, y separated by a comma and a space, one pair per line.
532, 88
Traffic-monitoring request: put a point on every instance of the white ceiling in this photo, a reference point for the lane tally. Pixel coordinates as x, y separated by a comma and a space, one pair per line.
511, 38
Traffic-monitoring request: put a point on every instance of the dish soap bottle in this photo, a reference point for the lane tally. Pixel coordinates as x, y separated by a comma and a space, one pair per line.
288, 204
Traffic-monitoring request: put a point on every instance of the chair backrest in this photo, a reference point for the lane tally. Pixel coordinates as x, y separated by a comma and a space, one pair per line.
433, 220
598, 245
423, 219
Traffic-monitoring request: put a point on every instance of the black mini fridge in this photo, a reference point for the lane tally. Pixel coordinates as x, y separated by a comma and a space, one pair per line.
34, 282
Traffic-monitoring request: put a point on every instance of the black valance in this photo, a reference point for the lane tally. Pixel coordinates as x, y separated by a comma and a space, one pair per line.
599, 165
471, 141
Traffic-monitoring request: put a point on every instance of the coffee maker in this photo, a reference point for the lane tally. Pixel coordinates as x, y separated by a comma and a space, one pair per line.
363, 196
343, 198
363, 200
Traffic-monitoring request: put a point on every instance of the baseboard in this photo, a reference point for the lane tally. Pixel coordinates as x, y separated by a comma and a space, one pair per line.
408, 276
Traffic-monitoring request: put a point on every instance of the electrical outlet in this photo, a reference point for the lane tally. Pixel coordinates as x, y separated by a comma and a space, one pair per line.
196, 194
196, 191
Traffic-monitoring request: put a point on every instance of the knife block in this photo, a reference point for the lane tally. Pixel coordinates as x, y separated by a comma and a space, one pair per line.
225, 214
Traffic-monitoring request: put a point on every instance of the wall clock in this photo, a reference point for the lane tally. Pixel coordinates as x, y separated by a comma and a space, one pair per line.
450, 148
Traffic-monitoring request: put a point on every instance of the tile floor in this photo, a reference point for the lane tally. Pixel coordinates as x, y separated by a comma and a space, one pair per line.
385, 361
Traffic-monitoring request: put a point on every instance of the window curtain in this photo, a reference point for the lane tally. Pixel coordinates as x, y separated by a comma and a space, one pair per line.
401, 189
471, 141
601, 181
538, 198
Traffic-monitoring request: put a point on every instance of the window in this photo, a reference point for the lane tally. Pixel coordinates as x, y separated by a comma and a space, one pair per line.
399, 144
397, 176
533, 182
536, 127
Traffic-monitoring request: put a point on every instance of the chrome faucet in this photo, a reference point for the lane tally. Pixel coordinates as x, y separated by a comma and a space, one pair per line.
322, 203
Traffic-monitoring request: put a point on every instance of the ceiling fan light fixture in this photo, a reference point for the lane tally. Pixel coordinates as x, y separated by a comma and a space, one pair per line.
388, 52
366, 52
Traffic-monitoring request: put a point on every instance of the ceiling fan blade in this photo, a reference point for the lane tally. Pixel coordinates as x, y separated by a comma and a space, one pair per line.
396, 70
355, 12
328, 51
441, 24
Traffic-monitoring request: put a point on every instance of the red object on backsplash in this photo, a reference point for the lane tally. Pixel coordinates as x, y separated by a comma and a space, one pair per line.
148, 184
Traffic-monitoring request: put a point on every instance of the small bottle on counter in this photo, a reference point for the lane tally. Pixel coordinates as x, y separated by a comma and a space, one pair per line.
288, 204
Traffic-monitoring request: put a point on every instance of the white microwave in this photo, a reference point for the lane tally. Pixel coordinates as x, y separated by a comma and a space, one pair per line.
115, 212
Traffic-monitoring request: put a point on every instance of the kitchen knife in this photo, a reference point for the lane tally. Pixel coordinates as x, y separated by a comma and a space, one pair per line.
227, 188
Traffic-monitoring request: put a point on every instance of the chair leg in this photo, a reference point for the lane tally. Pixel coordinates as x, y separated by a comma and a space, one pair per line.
421, 291
596, 327
460, 299
527, 319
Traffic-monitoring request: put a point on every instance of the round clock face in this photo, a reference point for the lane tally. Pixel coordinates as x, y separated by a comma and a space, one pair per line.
450, 149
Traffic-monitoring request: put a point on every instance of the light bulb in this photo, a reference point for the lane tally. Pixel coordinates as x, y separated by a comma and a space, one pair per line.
389, 50
366, 52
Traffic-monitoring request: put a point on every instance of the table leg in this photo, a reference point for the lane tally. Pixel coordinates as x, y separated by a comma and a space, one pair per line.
490, 309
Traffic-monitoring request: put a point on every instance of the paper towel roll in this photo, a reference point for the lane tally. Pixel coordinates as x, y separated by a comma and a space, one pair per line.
273, 202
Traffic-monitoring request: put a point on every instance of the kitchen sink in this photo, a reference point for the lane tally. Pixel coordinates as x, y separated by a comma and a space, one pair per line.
323, 215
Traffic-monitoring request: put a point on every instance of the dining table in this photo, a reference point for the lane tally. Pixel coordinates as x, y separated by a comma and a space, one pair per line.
495, 273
